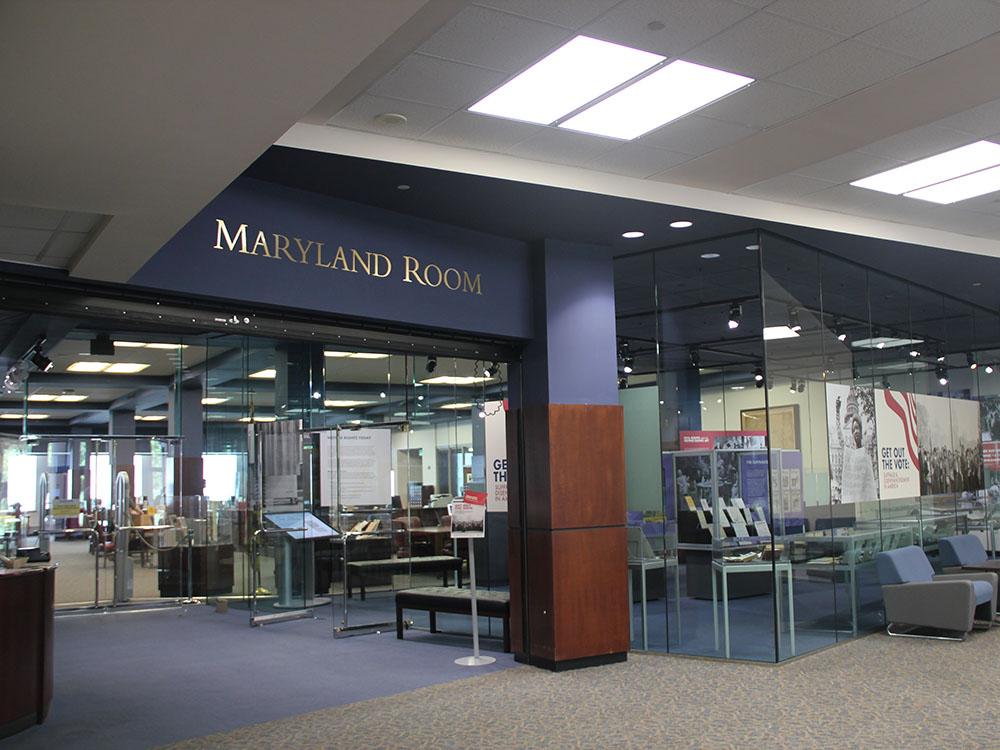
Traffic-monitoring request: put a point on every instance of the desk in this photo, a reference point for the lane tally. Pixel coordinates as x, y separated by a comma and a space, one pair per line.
643, 566
26, 600
760, 566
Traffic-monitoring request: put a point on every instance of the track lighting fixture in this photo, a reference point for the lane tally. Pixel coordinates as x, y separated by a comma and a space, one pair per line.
914, 353
492, 370
838, 330
792, 386
793, 319
989, 369
885, 383
735, 315
432, 363
758, 376
801, 387
971, 361
694, 358
941, 373
40, 361
628, 364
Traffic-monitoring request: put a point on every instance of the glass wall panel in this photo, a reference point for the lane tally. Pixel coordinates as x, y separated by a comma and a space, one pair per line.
855, 411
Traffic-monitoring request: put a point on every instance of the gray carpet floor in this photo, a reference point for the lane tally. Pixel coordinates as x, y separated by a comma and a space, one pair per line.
875, 692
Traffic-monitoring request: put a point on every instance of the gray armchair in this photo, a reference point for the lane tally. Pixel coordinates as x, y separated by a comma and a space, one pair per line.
916, 598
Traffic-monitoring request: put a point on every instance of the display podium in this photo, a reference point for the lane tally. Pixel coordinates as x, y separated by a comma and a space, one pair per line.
296, 553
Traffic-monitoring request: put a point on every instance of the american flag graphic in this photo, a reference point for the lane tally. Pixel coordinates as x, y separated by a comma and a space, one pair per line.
903, 405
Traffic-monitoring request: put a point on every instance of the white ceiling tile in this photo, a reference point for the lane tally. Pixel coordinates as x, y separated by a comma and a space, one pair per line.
360, 115
759, 4
30, 217
64, 245
936, 28
636, 160
917, 143
785, 187
954, 218
563, 147
986, 204
16, 240
686, 23
697, 135
482, 132
982, 121
441, 83
762, 45
848, 17
847, 167
490, 39
845, 68
571, 15
80, 221
764, 104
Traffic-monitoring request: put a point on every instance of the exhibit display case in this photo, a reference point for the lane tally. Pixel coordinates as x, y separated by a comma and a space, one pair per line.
809, 413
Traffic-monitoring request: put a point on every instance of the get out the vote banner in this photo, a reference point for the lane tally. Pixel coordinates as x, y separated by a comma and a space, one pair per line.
898, 447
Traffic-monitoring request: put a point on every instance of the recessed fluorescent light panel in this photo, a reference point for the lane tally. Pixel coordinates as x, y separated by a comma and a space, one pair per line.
773, 333
457, 406
884, 342
455, 380
661, 97
267, 374
576, 73
937, 169
952, 191
343, 403
213, 400
125, 368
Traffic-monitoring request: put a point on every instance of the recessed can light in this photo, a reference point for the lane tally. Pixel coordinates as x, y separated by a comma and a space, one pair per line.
709, 256
977, 283
392, 119
634, 235
681, 224
753, 247
403, 186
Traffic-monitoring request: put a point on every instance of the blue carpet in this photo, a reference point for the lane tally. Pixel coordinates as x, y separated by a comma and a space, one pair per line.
139, 680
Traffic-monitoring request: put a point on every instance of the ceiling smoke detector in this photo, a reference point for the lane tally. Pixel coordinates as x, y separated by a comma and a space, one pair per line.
391, 119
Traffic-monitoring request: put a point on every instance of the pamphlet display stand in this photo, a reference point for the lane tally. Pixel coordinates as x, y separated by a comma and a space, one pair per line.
468, 521
476, 660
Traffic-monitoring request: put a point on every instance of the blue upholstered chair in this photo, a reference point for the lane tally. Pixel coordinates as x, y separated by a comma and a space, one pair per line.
966, 552
917, 598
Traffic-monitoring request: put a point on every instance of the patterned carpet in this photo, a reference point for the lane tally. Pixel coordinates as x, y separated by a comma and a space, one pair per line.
876, 692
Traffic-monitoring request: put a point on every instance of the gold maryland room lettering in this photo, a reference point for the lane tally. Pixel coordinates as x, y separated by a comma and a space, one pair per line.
282, 247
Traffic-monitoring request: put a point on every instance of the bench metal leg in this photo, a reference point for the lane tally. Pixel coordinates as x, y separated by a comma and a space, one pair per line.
506, 634
399, 622
434, 622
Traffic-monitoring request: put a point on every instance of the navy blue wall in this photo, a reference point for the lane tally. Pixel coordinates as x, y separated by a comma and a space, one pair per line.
190, 262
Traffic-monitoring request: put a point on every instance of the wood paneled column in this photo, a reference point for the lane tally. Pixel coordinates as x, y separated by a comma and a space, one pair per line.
566, 460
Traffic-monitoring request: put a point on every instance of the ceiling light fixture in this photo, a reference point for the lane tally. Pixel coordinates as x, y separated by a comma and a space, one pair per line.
735, 315
758, 374
961, 188
923, 173
492, 370
343, 403
457, 406
213, 400
633, 235
682, 224
88, 366
125, 368
793, 319
989, 369
773, 333
694, 357
753, 247
663, 96
268, 373
941, 373
971, 361
838, 330
709, 256
565, 80
432, 363
39, 360
454, 380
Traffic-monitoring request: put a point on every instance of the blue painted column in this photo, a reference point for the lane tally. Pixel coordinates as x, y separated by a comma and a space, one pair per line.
567, 473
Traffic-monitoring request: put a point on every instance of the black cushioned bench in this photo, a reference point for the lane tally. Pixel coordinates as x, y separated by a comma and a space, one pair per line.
443, 564
434, 599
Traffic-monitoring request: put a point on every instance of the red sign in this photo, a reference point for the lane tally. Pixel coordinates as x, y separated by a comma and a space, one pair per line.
475, 498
